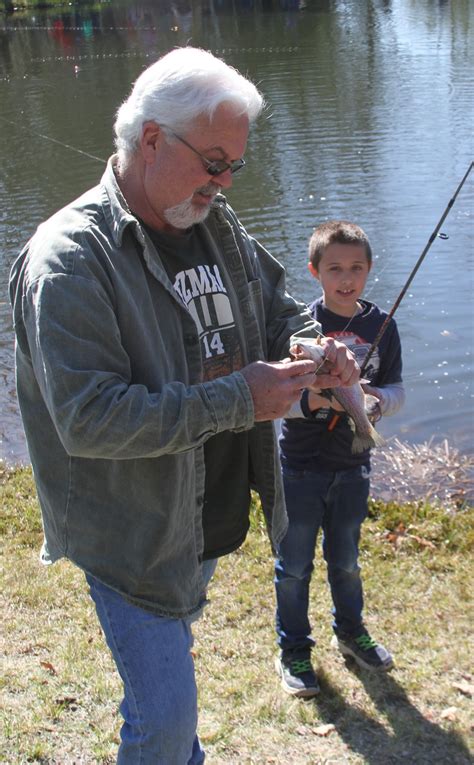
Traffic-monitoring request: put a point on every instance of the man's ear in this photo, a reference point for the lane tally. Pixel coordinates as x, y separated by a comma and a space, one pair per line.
313, 271
151, 140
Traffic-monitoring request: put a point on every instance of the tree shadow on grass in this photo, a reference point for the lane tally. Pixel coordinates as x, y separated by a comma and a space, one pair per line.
412, 740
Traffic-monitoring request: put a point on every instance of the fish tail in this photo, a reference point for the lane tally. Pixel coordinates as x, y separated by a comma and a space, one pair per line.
363, 441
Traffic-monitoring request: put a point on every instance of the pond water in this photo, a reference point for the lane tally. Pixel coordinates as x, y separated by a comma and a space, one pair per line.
369, 118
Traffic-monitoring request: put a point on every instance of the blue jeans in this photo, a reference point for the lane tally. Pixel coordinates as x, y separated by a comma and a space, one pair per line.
153, 657
336, 502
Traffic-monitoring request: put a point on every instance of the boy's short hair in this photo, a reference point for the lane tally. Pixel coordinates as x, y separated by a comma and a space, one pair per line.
336, 232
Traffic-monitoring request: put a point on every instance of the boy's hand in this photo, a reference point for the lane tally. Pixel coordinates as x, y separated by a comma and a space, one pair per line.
375, 412
371, 391
339, 369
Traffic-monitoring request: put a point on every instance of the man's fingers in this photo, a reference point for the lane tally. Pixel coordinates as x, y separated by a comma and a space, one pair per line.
330, 381
299, 367
352, 374
343, 365
300, 373
274, 386
305, 374
340, 363
349, 375
326, 381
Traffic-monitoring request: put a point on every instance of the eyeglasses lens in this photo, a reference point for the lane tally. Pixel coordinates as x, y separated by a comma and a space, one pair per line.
220, 166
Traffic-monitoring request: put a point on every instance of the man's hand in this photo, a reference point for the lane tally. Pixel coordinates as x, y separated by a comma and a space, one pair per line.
339, 369
275, 386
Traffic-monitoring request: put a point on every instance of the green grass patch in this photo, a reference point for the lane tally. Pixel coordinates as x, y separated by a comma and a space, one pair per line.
60, 691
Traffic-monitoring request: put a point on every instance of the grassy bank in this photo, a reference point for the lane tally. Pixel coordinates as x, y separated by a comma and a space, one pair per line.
60, 693
12, 6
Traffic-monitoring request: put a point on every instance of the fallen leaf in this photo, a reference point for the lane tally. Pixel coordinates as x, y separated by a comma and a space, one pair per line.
324, 730
302, 730
449, 714
466, 688
397, 536
396, 539
47, 665
423, 542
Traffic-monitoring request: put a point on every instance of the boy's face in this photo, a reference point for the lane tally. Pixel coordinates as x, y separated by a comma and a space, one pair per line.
342, 271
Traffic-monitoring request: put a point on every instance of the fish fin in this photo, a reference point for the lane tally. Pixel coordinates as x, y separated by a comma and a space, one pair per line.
366, 441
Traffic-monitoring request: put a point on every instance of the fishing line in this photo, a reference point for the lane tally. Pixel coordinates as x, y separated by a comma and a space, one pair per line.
55, 140
415, 269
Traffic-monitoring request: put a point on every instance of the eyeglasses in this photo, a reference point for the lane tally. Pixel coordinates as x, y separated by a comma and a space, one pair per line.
213, 166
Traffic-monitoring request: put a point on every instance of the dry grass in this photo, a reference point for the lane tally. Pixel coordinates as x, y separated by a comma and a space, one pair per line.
433, 471
60, 692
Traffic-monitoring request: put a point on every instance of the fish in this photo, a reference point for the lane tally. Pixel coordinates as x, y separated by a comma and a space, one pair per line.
358, 405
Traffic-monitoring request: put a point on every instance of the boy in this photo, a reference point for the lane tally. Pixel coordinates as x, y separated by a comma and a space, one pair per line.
326, 484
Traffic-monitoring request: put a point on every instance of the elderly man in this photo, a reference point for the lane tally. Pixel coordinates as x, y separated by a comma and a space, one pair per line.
150, 331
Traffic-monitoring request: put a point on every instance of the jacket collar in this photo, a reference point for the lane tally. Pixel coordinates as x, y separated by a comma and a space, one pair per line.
116, 210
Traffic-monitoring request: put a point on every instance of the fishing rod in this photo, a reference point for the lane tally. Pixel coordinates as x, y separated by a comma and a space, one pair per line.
412, 275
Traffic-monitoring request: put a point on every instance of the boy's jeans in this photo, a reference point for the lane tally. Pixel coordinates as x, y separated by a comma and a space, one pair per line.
337, 503
152, 654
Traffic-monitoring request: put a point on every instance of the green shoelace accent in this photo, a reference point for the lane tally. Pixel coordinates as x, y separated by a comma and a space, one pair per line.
365, 642
298, 666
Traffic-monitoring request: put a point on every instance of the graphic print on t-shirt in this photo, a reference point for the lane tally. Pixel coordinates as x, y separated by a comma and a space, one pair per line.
359, 348
203, 291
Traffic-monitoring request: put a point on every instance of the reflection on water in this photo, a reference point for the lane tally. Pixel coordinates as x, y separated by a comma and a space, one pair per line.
369, 118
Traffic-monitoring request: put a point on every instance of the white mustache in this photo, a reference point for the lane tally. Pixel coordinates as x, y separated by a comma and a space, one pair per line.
210, 189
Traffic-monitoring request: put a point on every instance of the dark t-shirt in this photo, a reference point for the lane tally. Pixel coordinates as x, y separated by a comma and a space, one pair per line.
200, 285
309, 443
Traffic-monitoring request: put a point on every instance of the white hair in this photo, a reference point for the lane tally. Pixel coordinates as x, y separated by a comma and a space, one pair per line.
178, 88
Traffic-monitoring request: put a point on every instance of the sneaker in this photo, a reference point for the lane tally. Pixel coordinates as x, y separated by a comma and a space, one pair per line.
364, 650
298, 677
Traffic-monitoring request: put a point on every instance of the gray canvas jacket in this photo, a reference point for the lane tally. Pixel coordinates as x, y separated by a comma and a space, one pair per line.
109, 384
